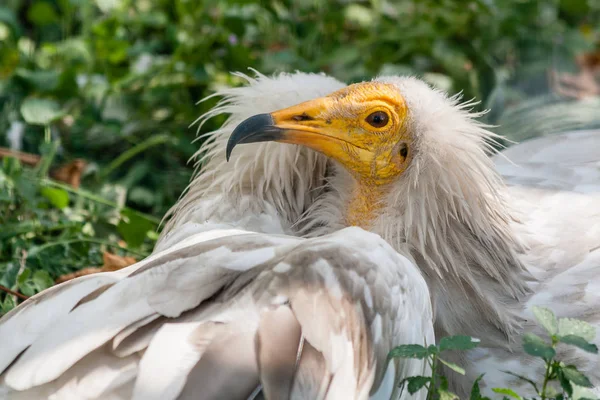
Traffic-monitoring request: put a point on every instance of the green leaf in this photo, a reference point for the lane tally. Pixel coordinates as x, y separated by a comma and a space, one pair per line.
564, 382
579, 342
458, 342
8, 304
27, 189
133, 228
547, 319
10, 274
9, 60
11, 166
41, 80
432, 349
507, 392
409, 351
23, 277
42, 13
583, 393
58, 197
476, 390
576, 377
446, 395
570, 326
535, 346
8, 17
42, 280
360, 15
415, 383
452, 366
40, 111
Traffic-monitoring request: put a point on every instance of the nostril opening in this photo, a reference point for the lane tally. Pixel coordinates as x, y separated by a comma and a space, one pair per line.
303, 117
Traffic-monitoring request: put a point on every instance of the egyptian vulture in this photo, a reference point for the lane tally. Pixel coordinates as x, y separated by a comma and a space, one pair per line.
294, 268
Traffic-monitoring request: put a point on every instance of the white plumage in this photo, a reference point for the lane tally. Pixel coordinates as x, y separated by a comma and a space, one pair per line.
257, 279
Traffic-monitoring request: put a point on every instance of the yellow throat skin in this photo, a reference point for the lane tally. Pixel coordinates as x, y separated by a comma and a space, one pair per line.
365, 203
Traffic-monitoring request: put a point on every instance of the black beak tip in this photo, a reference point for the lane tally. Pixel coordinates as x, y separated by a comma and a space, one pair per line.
258, 128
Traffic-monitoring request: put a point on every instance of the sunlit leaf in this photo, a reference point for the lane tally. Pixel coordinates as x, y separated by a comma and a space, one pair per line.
58, 197
583, 393
570, 326
547, 319
507, 392
452, 366
40, 111
359, 14
446, 395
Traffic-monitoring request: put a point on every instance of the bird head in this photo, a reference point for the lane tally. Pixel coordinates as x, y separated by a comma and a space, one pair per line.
421, 162
425, 148
363, 127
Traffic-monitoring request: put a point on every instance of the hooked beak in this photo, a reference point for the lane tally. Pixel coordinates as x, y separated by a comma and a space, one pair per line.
259, 128
301, 124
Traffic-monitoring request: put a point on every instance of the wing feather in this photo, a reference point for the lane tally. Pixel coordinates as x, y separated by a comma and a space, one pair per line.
208, 321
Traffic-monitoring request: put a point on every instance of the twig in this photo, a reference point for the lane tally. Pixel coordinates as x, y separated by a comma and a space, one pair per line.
25, 158
9, 291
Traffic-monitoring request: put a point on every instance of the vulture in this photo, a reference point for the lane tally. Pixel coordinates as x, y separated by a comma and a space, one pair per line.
329, 223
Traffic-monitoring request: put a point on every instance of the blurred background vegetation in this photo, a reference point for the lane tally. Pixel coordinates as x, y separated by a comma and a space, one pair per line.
96, 97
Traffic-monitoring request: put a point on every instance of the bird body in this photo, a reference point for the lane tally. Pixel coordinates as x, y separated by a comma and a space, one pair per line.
258, 279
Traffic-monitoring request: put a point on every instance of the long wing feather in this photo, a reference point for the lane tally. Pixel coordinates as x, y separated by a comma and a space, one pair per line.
554, 188
569, 161
208, 314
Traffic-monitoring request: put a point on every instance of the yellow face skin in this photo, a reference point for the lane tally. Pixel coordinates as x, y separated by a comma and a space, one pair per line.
341, 127
363, 127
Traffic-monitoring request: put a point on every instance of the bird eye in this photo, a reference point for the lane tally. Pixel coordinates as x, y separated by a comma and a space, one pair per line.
378, 119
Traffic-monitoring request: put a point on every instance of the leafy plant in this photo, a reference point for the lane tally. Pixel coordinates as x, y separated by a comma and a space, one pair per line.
565, 331
51, 229
435, 384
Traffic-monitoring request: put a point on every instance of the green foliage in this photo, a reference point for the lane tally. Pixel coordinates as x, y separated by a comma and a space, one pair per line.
50, 229
436, 384
570, 379
116, 83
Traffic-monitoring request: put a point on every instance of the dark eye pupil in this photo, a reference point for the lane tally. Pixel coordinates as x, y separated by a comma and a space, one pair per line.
378, 119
